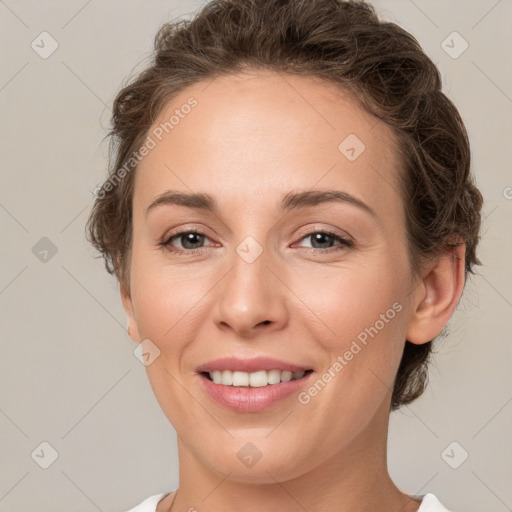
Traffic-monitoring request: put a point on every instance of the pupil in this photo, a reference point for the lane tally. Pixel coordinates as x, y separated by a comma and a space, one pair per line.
189, 238
318, 236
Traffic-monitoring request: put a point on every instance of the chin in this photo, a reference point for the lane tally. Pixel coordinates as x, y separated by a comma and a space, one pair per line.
256, 461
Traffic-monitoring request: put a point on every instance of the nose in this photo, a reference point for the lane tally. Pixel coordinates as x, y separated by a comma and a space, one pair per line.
251, 298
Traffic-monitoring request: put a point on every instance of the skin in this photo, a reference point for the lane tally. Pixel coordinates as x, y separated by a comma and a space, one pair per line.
252, 138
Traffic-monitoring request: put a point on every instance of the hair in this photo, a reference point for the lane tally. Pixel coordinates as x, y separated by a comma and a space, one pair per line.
343, 42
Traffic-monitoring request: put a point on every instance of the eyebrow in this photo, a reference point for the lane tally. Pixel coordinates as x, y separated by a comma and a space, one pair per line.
290, 201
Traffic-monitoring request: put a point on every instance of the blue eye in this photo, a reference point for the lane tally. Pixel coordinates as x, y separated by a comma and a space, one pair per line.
192, 241
324, 237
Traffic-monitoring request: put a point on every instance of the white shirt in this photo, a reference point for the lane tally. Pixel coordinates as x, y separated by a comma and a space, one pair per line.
429, 503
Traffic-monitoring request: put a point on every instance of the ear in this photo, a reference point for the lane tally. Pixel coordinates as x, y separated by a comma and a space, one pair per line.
437, 295
133, 330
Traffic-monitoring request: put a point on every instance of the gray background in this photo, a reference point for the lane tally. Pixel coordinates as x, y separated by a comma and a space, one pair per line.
68, 375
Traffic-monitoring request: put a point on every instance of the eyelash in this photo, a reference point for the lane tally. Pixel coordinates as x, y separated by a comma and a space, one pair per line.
344, 243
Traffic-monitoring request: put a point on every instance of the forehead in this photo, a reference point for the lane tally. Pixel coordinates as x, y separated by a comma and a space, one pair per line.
261, 133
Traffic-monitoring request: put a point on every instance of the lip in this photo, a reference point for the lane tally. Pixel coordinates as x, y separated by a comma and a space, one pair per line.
247, 399
250, 365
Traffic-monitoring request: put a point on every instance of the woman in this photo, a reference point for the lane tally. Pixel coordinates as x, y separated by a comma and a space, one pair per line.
291, 217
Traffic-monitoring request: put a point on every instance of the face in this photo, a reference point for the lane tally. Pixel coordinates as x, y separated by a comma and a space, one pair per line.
316, 282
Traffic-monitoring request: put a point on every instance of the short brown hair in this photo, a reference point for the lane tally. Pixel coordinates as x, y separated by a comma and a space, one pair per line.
344, 42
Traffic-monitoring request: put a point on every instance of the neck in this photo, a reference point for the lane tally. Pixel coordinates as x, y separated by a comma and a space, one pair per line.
354, 479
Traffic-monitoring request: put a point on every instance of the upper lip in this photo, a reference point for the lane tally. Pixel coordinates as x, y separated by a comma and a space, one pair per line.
249, 365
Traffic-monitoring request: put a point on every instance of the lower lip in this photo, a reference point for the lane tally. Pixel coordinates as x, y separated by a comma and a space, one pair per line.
247, 399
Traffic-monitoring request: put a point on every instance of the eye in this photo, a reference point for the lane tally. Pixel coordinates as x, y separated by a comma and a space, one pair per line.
322, 240
191, 241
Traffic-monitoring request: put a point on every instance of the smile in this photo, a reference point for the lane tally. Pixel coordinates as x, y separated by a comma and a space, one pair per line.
255, 379
242, 396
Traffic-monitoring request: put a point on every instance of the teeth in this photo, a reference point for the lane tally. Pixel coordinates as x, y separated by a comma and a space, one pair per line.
239, 379
254, 379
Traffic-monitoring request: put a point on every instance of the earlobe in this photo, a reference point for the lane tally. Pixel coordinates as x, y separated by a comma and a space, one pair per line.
438, 295
132, 328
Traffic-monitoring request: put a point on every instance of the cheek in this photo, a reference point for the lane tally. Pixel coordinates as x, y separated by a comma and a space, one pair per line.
168, 306
358, 314
163, 304
354, 320
346, 300
169, 301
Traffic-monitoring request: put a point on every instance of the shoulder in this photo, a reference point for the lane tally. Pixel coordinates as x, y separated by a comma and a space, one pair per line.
430, 503
149, 504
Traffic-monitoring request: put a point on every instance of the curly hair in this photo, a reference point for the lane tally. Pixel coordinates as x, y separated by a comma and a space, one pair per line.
344, 42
